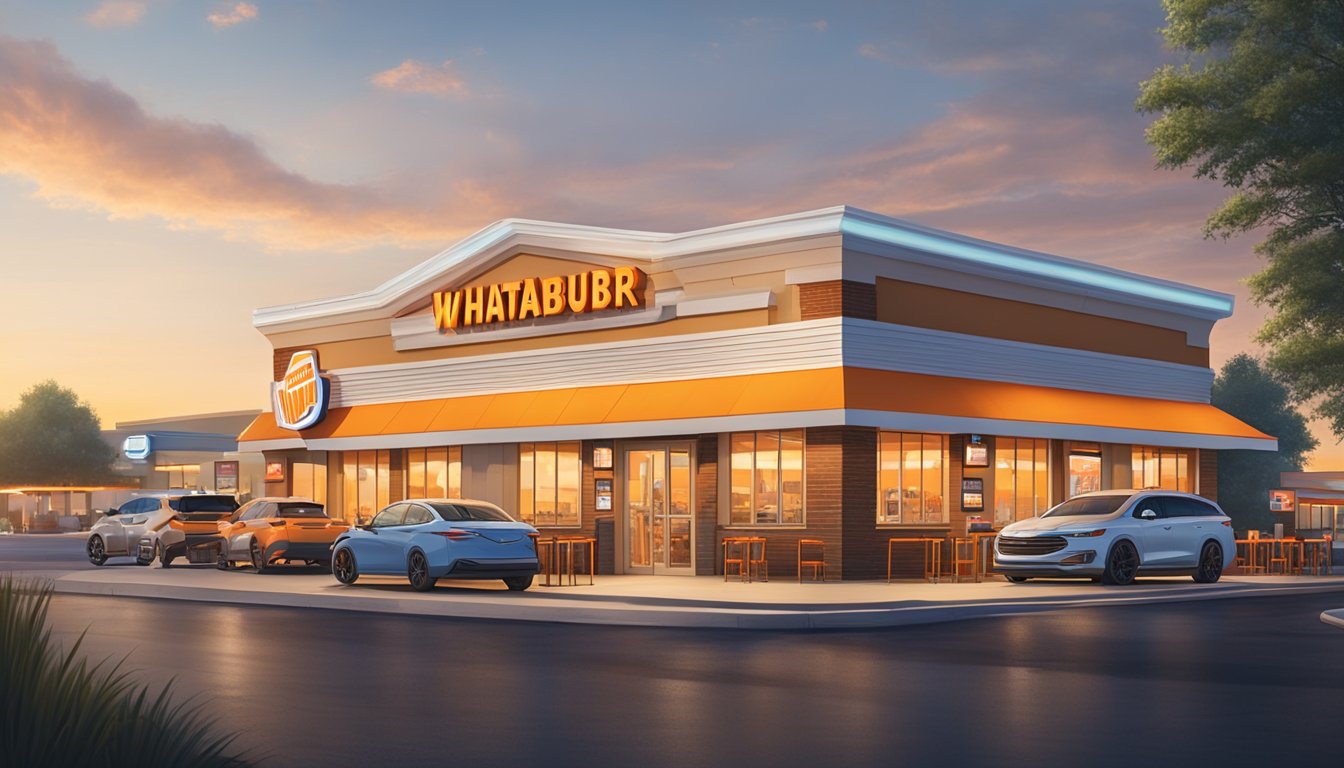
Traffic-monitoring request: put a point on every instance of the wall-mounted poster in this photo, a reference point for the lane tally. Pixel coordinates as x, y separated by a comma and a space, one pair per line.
1282, 500
977, 451
275, 471
602, 456
226, 476
603, 495
973, 494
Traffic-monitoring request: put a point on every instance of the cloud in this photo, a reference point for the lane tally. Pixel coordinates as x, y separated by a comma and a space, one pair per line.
86, 144
411, 76
116, 13
237, 14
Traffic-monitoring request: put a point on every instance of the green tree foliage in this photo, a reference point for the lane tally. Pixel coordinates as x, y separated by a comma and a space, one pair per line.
1246, 390
56, 709
1260, 106
52, 438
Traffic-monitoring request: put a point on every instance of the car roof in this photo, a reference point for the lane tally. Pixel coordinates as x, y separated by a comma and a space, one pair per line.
303, 499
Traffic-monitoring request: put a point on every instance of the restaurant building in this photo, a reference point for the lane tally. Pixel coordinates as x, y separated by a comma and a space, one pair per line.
834, 375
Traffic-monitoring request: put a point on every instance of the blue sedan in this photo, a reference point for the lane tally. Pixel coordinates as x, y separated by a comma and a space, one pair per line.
430, 539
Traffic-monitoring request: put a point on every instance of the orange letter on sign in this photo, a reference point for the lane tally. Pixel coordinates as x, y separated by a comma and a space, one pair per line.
511, 298
473, 310
494, 309
447, 309
578, 292
530, 306
629, 287
552, 295
601, 289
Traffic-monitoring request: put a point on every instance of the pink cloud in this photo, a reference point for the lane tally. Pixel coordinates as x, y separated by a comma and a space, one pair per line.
411, 76
116, 13
84, 143
236, 14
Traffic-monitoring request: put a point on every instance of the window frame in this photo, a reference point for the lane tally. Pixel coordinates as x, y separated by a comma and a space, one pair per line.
945, 473
557, 485
778, 469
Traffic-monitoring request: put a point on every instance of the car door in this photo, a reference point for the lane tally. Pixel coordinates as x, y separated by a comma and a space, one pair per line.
116, 533
1159, 537
240, 533
1190, 518
398, 537
379, 552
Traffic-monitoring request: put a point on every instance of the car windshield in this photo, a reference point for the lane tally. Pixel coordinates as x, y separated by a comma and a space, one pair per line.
1088, 506
189, 504
456, 512
300, 509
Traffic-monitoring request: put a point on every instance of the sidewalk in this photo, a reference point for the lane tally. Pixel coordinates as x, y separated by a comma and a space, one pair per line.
668, 601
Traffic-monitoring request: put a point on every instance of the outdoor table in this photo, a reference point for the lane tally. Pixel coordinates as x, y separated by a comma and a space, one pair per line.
559, 560
1320, 561
933, 554
745, 545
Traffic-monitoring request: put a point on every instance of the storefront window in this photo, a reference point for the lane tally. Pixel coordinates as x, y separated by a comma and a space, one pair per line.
1167, 468
911, 478
1318, 517
549, 477
366, 477
1084, 469
766, 478
309, 479
434, 473
1021, 479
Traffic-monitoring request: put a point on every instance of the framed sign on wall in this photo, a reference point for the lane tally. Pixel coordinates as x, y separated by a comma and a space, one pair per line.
973, 494
275, 471
977, 451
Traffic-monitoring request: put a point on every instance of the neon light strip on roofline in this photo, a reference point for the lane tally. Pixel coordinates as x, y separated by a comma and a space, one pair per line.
1054, 270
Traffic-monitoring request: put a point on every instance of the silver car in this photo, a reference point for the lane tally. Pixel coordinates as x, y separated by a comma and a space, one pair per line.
1115, 536
134, 528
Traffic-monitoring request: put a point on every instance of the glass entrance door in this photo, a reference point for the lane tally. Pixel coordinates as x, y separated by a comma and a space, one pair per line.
658, 512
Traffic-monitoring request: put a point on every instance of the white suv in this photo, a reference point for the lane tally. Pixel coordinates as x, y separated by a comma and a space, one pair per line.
1113, 536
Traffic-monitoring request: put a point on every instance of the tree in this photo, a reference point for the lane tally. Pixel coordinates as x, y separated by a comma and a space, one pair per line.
52, 438
1246, 390
1260, 106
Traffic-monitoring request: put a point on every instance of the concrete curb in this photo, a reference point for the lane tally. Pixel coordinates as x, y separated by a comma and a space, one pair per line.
507, 606
1334, 618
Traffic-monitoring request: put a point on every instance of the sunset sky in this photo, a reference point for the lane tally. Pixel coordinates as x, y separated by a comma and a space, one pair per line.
168, 166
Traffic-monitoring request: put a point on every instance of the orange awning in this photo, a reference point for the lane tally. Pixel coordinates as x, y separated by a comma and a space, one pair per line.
859, 392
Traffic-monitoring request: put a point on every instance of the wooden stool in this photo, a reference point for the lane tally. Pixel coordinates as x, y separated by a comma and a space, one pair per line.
740, 560
1282, 556
963, 553
818, 566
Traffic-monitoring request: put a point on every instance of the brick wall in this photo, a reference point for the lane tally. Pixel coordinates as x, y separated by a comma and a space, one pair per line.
706, 504
836, 298
280, 360
1208, 474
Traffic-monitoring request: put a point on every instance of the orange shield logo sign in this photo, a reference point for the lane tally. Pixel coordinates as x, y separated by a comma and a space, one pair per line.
300, 399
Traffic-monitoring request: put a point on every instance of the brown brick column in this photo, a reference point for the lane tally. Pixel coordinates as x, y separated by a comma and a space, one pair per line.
1208, 474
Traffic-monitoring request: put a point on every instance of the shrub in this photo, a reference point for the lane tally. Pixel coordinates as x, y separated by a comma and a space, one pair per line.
6, 526
58, 710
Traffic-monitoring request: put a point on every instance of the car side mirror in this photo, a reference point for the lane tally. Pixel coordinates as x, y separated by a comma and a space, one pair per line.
1147, 514
113, 511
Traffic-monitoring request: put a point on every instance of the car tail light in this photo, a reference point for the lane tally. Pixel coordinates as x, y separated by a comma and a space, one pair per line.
455, 534
1228, 523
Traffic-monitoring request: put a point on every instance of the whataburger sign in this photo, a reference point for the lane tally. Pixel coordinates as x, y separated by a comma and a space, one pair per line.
593, 291
301, 397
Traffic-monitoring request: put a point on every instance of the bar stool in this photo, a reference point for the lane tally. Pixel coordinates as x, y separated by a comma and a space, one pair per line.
818, 566
1281, 558
963, 553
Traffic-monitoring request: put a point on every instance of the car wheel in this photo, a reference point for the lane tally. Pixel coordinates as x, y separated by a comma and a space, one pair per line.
1210, 564
222, 561
161, 556
258, 559
518, 583
1122, 564
97, 550
417, 571
343, 566
1018, 579
140, 560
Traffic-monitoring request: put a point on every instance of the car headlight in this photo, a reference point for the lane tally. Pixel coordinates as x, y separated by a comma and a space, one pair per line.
1085, 534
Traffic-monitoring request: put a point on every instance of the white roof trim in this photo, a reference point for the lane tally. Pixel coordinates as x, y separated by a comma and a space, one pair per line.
953, 251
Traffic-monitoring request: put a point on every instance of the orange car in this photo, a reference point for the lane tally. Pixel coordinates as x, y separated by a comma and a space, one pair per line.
268, 531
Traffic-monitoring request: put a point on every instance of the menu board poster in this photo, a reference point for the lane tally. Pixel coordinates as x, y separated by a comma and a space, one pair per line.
226, 476
275, 471
1282, 500
602, 456
603, 495
973, 494
977, 452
